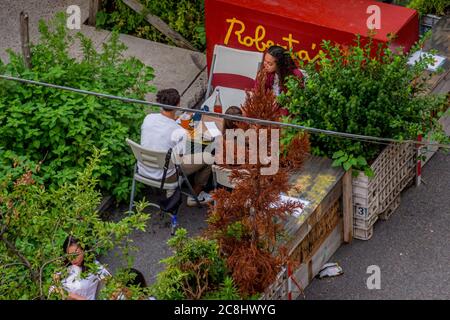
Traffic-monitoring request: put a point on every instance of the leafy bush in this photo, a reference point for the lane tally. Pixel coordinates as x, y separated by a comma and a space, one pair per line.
438, 7
118, 286
60, 127
355, 90
194, 271
227, 291
400, 2
34, 222
184, 16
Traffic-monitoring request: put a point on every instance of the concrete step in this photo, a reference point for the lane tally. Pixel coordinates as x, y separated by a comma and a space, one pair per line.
173, 67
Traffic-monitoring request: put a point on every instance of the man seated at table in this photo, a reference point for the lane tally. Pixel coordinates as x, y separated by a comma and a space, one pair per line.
160, 132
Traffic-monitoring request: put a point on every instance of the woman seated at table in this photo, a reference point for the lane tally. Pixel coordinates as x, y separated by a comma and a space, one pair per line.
278, 66
234, 111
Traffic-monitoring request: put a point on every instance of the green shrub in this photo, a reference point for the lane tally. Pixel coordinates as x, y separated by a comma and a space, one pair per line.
193, 271
403, 3
438, 7
117, 285
60, 127
354, 90
184, 16
227, 291
34, 222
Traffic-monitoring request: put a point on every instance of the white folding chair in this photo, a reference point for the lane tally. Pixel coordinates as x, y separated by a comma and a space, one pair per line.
221, 176
156, 159
233, 68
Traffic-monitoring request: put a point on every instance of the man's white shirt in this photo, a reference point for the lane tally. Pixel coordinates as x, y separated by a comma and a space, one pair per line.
160, 133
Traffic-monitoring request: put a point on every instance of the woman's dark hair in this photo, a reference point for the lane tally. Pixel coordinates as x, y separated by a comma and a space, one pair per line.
234, 111
170, 97
285, 64
70, 240
138, 280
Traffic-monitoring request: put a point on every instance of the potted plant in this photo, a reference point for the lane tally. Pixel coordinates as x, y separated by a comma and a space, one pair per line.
367, 91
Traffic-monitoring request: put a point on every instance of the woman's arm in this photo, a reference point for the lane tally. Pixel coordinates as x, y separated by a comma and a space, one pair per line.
74, 296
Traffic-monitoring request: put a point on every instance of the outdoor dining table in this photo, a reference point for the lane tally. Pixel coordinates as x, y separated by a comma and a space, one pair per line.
196, 143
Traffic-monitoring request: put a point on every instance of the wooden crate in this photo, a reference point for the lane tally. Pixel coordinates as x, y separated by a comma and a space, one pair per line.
364, 213
317, 235
306, 271
314, 236
323, 239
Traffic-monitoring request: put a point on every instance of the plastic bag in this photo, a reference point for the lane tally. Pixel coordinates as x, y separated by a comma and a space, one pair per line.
332, 269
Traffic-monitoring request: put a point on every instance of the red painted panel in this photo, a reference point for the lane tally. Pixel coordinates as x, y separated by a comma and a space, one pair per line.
232, 81
302, 25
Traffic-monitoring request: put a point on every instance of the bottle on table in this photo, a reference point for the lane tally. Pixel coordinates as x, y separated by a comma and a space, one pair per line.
218, 103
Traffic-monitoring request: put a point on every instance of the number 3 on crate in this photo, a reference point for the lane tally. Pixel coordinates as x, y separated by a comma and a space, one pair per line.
361, 211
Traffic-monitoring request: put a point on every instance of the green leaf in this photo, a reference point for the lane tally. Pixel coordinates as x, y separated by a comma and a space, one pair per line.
347, 166
338, 154
362, 161
353, 161
369, 172
337, 163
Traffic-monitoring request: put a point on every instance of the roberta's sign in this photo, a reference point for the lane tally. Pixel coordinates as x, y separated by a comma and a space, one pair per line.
302, 24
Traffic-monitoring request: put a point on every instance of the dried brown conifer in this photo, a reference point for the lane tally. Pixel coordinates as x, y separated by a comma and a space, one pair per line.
247, 220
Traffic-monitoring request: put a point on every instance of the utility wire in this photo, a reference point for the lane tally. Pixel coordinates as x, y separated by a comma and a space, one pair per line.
230, 117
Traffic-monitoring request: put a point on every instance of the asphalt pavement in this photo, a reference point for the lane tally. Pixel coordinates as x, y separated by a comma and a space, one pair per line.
412, 248
152, 245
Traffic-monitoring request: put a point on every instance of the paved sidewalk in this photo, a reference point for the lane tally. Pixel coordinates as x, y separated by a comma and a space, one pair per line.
152, 244
412, 248
174, 67
36, 10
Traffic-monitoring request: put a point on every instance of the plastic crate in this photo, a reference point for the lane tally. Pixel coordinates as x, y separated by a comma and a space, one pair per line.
363, 234
395, 163
364, 222
363, 213
393, 169
278, 289
385, 215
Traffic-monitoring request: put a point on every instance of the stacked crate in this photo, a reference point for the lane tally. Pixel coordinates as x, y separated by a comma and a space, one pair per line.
379, 196
365, 206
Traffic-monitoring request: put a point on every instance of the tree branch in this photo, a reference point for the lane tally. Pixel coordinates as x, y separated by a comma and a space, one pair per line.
21, 257
13, 264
